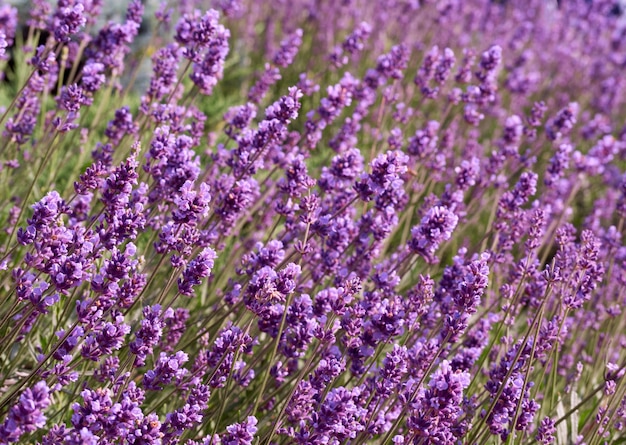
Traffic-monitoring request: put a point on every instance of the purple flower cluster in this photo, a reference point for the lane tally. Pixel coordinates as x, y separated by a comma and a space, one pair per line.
435, 227
27, 415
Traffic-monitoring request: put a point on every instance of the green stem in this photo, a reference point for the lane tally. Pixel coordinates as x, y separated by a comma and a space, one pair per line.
43, 162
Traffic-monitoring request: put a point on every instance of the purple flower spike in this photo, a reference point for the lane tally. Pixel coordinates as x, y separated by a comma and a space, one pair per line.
354, 43
472, 286
26, 415
545, 431
3, 45
241, 433
148, 335
209, 70
435, 228
191, 204
167, 368
563, 122
68, 20
197, 269
288, 49
439, 407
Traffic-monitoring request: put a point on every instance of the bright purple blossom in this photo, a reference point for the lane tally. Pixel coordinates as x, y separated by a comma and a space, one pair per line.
148, 335
197, 269
27, 415
68, 20
435, 228
241, 433
288, 49
438, 408
167, 368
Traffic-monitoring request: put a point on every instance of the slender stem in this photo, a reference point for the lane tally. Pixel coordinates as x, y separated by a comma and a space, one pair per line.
488, 412
43, 162
415, 391
17, 96
18, 386
529, 367
276, 343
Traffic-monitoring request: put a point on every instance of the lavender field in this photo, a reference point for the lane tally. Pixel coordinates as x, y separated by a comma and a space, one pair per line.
313, 222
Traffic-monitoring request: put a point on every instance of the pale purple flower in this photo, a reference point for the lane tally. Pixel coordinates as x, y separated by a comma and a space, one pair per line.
27, 415
3, 45
435, 228
240, 433
68, 20
288, 49
148, 335
545, 431
197, 269
167, 368
439, 408
563, 122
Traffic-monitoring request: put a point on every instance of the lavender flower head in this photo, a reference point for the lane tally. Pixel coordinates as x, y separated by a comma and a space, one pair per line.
440, 406
288, 49
68, 20
27, 415
435, 228
3, 46
197, 269
167, 369
563, 122
241, 433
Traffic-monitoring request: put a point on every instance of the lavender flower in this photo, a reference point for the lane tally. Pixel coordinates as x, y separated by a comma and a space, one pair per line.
187, 417
466, 297
268, 77
93, 76
394, 367
209, 70
352, 45
424, 143
439, 408
68, 20
435, 227
107, 337
545, 432
240, 433
288, 49
563, 122
514, 199
239, 118
385, 180
20, 127
27, 414
8, 23
148, 335
230, 8
191, 205
167, 368
121, 126
355, 41
3, 45
339, 417
164, 66
197, 269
